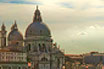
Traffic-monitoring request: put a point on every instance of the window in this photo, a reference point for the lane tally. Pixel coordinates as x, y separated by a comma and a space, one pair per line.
39, 47
19, 67
17, 43
9, 68
44, 59
44, 48
29, 47
58, 60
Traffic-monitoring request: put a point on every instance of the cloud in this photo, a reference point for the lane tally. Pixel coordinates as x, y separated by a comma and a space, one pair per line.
82, 5
67, 5
76, 4
24, 2
82, 33
21, 2
4, 1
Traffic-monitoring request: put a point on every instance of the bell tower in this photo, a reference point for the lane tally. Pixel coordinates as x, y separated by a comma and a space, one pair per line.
3, 36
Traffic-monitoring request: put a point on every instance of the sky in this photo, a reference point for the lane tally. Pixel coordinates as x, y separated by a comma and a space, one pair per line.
77, 26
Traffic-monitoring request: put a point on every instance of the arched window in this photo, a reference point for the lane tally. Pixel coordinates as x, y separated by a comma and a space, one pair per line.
43, 44
44, 59
17, 43
39, 47
44, 48
4, 41
29, 47
58, 60
19, 67
9, 68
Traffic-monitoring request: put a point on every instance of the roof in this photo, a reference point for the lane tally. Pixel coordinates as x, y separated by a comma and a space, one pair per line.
74, 56
9, 50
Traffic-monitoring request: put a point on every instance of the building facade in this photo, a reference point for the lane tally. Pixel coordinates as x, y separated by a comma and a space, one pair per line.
93, 58
12, 59
37, 45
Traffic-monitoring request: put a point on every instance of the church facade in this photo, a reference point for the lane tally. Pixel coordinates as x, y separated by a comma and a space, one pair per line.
37, 43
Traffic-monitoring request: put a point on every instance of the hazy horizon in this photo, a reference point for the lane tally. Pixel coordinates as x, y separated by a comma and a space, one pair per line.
77, 26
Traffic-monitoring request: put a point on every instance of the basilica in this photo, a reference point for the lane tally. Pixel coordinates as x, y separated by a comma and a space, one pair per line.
37, 47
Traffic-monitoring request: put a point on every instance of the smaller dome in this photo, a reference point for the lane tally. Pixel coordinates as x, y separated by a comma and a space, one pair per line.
15, 35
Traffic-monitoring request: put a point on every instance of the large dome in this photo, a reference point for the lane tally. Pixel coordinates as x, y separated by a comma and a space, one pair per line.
37, 27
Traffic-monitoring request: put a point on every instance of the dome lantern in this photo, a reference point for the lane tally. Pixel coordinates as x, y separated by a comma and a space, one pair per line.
3, 27
14, 26
37, 15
